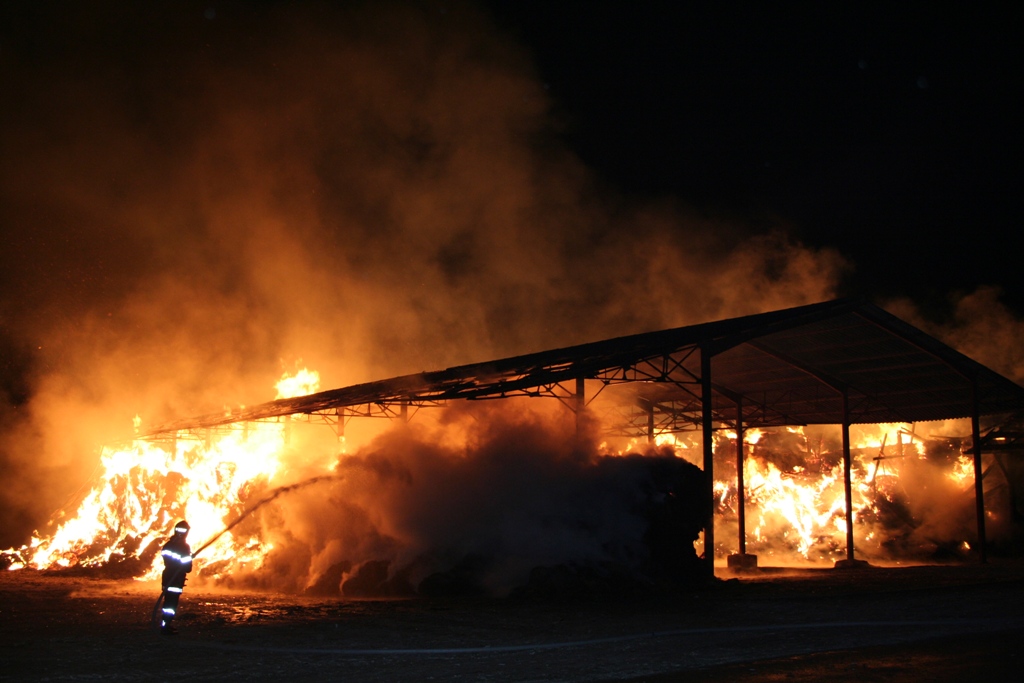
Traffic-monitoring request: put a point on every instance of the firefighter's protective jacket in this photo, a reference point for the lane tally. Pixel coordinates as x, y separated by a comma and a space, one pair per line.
177, 562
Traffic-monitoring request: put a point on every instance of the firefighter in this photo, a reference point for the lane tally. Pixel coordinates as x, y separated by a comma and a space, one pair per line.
177, 562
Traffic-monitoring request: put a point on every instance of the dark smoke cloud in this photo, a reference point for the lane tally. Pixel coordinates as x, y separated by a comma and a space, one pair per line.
190, 202
501, 488
980, 326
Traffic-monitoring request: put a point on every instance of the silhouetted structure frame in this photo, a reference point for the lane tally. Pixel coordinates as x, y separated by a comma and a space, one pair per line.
836, 362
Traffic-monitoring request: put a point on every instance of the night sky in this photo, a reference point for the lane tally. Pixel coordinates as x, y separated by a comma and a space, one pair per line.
888, 130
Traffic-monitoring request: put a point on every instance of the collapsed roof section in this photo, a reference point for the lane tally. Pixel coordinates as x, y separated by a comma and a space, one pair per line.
827, 363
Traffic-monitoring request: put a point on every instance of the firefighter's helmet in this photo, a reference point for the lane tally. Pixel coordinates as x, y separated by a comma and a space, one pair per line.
181, 527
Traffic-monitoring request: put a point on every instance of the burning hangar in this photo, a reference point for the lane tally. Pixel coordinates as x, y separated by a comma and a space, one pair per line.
839, 362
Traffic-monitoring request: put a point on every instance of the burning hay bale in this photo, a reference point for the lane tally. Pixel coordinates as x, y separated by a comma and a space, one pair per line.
413, 512
912, 494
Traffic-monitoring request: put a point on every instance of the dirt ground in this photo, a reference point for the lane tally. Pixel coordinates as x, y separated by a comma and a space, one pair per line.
948, 623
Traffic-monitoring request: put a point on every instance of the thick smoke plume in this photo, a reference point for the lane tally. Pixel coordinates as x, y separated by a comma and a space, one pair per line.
981, 326
193, 198
472, 503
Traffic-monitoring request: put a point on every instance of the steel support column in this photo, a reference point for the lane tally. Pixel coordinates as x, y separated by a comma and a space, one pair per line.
650, 423
979, 485
580, 405
847, 478
741, 561
740, 497
709, 459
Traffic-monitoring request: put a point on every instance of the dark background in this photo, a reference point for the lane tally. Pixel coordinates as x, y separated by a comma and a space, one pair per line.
888, 130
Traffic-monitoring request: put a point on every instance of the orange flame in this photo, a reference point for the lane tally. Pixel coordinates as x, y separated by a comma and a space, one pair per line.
144, 488
797, 513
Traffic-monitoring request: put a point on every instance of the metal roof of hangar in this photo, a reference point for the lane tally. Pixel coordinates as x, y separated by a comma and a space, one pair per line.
786, 367
890, 371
